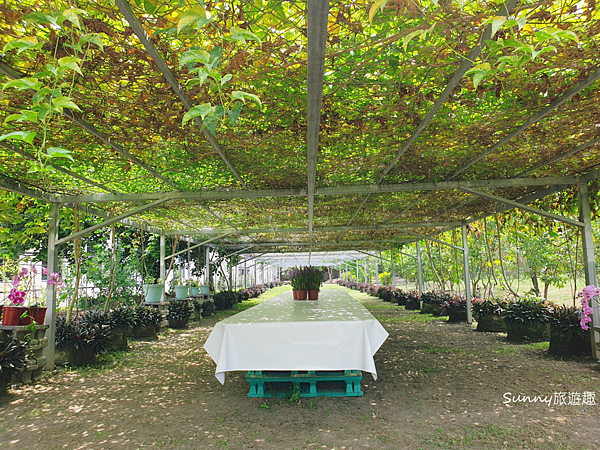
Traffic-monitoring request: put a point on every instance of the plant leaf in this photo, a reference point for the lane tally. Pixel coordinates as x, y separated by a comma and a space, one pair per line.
234, 113
199, 110
23, 44
379, 4
239, 34
239, 95
59, 152
197, 14
70, 62
25, 136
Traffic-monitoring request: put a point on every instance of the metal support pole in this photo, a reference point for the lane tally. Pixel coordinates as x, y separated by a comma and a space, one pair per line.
357, 271
230, 275
393, 268
262, 275
419, 268
589, 263
207, 268
366, 276
245, 275
255, 279
162, 257
189, 262
465, 245
377, 272
162, 273
51, 290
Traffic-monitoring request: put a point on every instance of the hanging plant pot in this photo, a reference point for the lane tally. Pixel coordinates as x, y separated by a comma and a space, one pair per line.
528, 332
491, 323
12, 315
313, 294
182, 292
153, 292
302, 295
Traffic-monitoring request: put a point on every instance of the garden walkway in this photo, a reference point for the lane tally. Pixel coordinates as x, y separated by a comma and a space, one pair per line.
440, 385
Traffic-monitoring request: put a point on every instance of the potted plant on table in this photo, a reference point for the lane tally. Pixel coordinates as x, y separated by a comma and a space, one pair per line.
182, 290
153, 290
300, 282
194, 287
16, 313
179, 313
314, 279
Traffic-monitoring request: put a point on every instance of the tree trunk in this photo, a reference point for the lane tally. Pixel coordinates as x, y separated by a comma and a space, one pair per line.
534, 282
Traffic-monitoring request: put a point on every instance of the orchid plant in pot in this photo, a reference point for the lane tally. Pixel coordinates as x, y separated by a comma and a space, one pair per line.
23, 286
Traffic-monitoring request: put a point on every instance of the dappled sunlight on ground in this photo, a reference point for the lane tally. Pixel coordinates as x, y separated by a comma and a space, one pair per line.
440, 385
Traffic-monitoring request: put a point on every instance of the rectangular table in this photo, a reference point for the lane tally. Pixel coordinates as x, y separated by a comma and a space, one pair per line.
335, 332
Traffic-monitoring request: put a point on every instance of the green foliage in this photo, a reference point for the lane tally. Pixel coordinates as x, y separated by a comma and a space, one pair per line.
179, 309
147, 316
12, 354
385, 278
489, 307
89, 337
567, 319
225, 300
528, 311
208, 308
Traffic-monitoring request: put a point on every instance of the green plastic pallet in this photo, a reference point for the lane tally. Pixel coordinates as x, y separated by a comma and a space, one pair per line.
338, 383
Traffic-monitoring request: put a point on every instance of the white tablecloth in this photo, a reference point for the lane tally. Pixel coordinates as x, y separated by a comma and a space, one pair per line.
333, 333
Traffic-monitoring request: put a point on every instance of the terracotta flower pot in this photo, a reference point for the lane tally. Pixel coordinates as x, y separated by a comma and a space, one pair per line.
313, 294
295, 294
12, 315
38, 314
302, 295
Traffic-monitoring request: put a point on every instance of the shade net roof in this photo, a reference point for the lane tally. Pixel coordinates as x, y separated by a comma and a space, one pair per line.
293, 125
298, 259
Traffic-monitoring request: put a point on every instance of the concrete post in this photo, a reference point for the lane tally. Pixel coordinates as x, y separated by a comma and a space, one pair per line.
467, 272
419, 268
393, 268
51, 289
589, 263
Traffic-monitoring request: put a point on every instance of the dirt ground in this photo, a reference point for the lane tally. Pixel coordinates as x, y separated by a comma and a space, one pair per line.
440, 385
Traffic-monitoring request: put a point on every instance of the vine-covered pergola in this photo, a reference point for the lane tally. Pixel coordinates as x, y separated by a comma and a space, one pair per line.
316, 126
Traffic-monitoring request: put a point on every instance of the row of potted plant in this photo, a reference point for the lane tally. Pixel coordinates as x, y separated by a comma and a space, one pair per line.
306, 282
155, 287
524, 319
